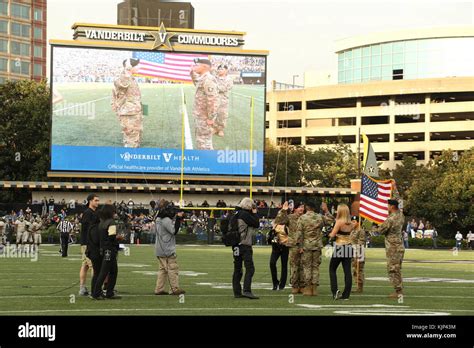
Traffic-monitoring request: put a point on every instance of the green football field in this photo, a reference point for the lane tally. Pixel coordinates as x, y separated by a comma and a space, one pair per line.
85, 117
436, 283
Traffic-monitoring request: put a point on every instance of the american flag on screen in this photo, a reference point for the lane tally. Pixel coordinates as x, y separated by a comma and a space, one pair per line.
373, 199
170, 66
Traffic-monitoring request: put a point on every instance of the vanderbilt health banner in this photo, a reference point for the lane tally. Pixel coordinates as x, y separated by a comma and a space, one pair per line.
142, 160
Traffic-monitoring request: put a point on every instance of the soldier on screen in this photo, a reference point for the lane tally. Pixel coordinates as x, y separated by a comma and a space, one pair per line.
126, 102
224, 85
392, 228
206, 102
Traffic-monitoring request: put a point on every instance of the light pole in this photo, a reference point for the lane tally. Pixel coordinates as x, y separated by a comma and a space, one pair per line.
295, 76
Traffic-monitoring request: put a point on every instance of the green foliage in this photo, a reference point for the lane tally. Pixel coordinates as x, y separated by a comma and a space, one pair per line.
329, 166
444, 193
24, 131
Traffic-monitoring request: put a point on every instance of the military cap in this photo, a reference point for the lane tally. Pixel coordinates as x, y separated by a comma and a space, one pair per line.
203, 61
393, 202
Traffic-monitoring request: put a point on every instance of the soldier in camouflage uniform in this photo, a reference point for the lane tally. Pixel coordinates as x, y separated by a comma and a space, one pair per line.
392, 229
126, 102
309, 231
206, 102
358, 238
296, 268
224, 85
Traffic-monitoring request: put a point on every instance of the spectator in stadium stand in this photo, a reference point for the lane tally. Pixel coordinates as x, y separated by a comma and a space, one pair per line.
435, 238
190, 204
458, 237
130, 206
205, 204
470, 240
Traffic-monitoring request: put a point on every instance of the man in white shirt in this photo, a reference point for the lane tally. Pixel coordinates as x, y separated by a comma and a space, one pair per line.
470, 240
458, 238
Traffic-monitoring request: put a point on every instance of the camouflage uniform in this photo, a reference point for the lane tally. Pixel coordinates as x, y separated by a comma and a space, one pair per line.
224, 85
358, 239
296, 268
309, 231
392, 229
206, 102
126, 102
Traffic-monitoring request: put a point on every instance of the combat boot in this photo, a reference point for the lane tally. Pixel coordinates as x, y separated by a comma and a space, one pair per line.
360, 288
295, 291
314, 290
396, 294
307, 291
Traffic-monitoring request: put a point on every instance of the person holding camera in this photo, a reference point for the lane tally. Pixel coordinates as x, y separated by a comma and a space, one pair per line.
165, 248
248, 223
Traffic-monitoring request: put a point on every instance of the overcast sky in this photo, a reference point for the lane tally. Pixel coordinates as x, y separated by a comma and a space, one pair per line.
300, 35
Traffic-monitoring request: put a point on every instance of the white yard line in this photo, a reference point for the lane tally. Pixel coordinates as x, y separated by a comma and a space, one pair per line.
78, 104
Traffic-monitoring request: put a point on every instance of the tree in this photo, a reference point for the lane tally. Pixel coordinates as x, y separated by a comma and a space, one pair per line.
405, 173
444, 193
24, 131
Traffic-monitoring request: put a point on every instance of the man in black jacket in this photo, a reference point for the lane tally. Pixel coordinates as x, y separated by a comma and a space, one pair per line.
89, 219
248, 222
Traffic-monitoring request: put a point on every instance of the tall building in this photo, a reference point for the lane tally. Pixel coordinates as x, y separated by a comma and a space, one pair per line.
411, 92
22, 39
151, 13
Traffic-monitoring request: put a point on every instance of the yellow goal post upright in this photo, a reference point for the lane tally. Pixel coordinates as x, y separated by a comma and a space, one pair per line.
181, 188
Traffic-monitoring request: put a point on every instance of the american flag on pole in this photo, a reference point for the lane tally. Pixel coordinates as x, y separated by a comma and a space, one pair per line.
373, 199
164, 65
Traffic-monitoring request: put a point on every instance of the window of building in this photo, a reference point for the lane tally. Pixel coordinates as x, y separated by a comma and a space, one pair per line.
267, 124
461, 135
290, 106
434, 154
289, 124
18, 29
419, 155
38, 70
267, 107
375, 101
2, 80
289, 141
346, 121
3, 8
3, 27
331, 103
20, 11
321, 122
20, 49
38, 14
38, 33
382, 156
3, 45
420, 118
407, 137
346, 139
377, 138
38, 51
452, 116
397, 74
20, 67
371, 120
410, 99
452, 97
3, 64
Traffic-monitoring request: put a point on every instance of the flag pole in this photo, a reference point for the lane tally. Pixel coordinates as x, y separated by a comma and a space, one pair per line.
181, 189
251, 145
